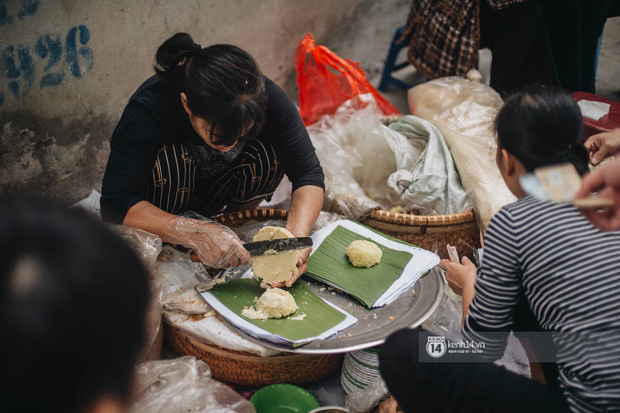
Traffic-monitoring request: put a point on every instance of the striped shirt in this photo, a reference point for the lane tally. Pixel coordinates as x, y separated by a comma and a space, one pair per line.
569, 274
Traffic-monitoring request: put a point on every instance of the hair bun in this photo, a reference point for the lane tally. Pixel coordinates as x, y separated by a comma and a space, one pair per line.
196, 48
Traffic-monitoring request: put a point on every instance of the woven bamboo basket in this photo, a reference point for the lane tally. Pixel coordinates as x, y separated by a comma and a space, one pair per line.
430, 231
247, 369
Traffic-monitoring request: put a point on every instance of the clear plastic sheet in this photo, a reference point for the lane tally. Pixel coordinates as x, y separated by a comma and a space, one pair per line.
332, 137
184, 385
148, 246
324, 219
365, 400
329, 391
464, 112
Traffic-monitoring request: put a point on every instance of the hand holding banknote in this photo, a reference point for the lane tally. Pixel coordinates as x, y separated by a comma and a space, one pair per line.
605, 182
602, 145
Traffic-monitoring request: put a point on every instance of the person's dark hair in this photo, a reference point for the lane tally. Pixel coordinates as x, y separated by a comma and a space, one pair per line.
73, 298
223, 84
542, 126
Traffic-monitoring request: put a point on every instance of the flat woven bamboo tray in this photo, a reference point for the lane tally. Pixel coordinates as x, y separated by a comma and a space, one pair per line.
431, 232
248, 369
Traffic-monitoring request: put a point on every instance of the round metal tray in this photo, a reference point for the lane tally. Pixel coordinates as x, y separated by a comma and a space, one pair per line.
373, 326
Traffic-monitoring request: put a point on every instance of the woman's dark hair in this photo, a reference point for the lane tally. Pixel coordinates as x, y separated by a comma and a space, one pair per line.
223, 84
542, 126
73, 298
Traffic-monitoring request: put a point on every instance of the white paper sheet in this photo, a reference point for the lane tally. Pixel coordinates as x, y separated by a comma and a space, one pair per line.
593, 110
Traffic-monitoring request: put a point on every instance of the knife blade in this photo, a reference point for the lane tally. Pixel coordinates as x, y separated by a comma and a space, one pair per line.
272, 246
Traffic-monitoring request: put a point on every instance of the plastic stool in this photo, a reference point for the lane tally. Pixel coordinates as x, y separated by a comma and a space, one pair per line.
391, 66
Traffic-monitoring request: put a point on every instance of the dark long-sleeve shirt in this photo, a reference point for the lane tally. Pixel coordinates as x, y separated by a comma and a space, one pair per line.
155, 117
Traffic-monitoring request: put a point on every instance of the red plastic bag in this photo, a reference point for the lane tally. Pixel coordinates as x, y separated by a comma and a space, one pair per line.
326, 81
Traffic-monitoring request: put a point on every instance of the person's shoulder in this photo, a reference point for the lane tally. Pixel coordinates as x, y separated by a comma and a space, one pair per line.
149, 113
515, 213
153, 92
277, 99
531, 213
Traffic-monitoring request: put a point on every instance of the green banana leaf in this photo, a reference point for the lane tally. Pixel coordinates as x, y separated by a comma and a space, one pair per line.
320, 316
330, 264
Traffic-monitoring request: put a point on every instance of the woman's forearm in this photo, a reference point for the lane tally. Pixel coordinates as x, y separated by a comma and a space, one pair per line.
148, 217
215, 244
306, 203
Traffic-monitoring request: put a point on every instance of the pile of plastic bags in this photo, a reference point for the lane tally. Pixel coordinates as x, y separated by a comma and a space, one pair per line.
369, 165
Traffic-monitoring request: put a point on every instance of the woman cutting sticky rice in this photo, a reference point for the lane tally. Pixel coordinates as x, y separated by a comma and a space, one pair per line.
208, 133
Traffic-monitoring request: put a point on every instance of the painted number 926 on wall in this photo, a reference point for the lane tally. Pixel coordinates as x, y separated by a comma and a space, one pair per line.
46, 63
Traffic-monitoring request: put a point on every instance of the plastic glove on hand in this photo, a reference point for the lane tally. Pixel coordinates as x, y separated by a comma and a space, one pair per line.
216, 245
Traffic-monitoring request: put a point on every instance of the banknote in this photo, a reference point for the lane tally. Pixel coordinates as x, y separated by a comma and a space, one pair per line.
559, 183
454, 256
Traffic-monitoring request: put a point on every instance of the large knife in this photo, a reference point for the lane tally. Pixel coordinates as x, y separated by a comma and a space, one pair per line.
269, 247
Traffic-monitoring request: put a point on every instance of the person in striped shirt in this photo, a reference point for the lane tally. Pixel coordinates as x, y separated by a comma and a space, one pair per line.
545, 268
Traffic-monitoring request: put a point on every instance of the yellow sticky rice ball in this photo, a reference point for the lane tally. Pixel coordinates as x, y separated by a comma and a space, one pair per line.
364, 253
276, 303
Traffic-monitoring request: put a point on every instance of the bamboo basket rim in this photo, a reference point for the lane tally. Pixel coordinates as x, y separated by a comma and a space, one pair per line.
247, 214
396, 218
408, 219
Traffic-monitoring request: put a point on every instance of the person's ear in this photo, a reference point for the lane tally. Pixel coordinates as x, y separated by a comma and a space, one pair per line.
105, 405
507, 162
185, 105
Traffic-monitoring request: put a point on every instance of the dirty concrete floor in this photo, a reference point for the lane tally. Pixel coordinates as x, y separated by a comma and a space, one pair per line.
607, 82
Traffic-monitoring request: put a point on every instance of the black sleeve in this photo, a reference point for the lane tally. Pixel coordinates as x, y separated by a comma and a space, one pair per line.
133, 149
285, 129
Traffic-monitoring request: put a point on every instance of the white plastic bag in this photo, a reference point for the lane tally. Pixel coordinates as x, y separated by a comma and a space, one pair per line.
184, 385
464, 112
432, 186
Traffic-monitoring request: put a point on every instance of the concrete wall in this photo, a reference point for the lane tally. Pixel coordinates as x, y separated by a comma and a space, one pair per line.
69, 67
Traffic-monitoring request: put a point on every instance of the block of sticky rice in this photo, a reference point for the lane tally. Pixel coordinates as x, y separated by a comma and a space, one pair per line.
275, 267
363, 253
274, 303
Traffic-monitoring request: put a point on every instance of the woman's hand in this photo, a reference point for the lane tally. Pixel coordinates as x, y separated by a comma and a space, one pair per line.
602, 145
306, 203
460, 277
216, 245
605, 182
302, 266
